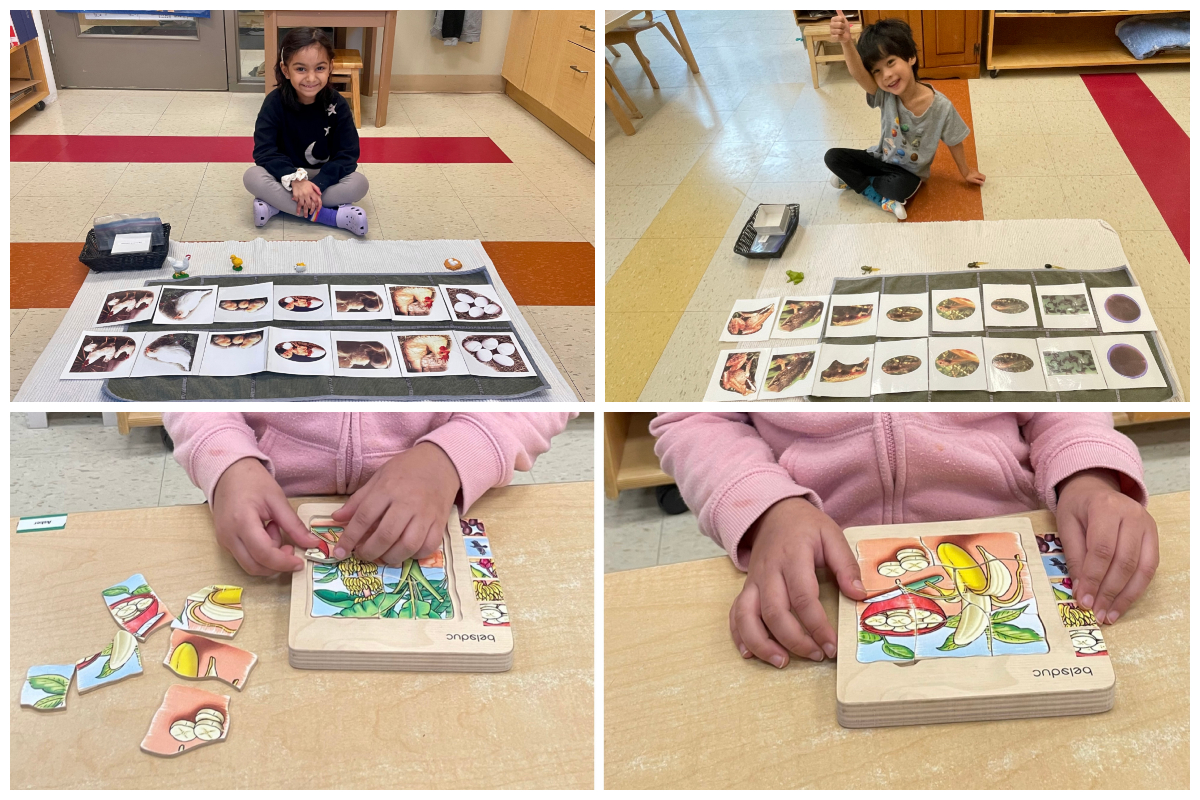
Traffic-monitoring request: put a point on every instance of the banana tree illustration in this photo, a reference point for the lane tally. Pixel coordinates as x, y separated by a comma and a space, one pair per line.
412, 597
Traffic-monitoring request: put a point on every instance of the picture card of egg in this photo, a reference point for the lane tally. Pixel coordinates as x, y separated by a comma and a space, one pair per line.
738, 375
1122, 310
1013, 365
309, 302
360, 302
186, 305
1009, 305
419, 303
306, 352
852, 315
1127, 362
474, 303
955, 310
173, 354
234, 352
359, 354
245, 304
901, 366
800, 317
1065, 306
1070, 364
904, 315
844, 370
436, 353
103, 354
493, 354
127, 305
750, 320
956, 364
791, 372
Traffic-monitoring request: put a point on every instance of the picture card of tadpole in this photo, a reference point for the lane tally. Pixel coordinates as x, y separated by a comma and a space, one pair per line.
1008, 305
474, 303
186, 305
843, 370
172, 354
1013, 365
249, 303
1070, 364
299, 352
364, 354
417, 303
1122, 310
737, 375
103, 355
750, 320
234, 352
852, 315
904, 315
790, 372
360, 302
1065, 306
127, 305
492, 355
800, 318
955, 364
901, 366
432, 353
955, 310
1127, 362
309, 302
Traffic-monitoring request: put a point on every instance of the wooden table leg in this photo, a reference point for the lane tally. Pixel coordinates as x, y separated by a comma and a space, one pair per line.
687, 48
610, 76
368, 83
271, 45
617, 111
385, 69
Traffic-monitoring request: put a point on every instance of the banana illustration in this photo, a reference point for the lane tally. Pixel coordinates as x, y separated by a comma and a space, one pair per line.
185, 661
979, 588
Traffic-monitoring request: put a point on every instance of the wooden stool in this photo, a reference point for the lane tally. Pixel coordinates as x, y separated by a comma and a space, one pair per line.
611, 82
347, 64
627, 35
818, 40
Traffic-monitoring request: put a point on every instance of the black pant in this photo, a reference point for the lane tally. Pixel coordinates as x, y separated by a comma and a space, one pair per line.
857, 168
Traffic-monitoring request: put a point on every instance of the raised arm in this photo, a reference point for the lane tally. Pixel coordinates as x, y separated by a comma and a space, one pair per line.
839, 29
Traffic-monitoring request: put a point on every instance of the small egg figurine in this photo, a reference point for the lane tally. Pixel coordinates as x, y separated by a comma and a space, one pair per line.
452, 264
300, 267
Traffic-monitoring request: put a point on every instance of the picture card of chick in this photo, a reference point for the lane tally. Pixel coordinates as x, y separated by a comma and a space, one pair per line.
1122, 310
853, 315
901, 366
417, 303
491, 354
438, 352
474, 303
1070, 364
751, 320
362, 354
1065, 306
800, 317
186, 305
955, 310
101, 355
300, 352
234, 352
1013, 365
737, 375
790, 372
127, 305
308, 303
904, 315
955, 364
360, 302
248, 304
1127, 362
1008, 305
173, 354
844, 370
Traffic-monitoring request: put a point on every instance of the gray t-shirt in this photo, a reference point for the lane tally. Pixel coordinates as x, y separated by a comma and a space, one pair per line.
910, 141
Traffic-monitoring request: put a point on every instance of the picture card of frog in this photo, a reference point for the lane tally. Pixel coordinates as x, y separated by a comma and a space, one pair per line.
1127, 362
46, 687
900, 366
955, 310
800, 317
245, 304
234, 352
852, 315
738, 375
791, 372
435, 353
360, 302
173, 354
492, 355
750, 320
188, 718
955, 364
293, 352
100, 354
361, 354
135, 607
474, 303
1065, 306
309, 302
186, 305
1070, 364
127, 305
1013, 365
1009, 305
904, 315
1122, 310
843, 370
419, 303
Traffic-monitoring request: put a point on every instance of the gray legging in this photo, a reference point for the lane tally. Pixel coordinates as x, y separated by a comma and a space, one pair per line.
266, 187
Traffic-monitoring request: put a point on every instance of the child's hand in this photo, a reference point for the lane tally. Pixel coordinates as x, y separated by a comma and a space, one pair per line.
1110, 541
976, 177
402, 510
308, 199
779, 603
839, 28
253, 517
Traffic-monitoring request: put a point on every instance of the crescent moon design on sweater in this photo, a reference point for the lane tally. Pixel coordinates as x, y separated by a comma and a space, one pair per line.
308, 154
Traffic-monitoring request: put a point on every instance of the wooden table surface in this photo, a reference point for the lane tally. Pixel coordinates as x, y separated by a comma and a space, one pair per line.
683, 710
531, 727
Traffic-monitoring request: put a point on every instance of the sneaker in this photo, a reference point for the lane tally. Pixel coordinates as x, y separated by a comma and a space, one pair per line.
896, 207
836, 182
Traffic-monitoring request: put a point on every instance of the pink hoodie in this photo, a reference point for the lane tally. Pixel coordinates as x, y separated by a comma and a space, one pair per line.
879, 469
332, 453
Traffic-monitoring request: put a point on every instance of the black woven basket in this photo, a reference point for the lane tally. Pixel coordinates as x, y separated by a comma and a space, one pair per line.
99, 261
745, 243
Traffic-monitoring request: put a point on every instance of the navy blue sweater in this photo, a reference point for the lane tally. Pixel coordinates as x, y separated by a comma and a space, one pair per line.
315, 137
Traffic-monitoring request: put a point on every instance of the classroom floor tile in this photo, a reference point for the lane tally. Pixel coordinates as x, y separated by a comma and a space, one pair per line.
615, 253
678, 377
51, 219
659, 275
513, 218
21, 173
1016, 157
415, 217
629, 211
27, 341
60, 179
489, 180
696, 210
633, 343
1025, 198
1120, 200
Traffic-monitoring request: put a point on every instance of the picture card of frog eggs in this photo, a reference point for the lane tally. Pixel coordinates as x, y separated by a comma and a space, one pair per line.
1127, 362
417, 303
791, 372
103, 354
493, 354
364, 354
474, 303
136, 304
1065, 306
1013, 365
843, 370
308, 302
1122, 309
228, 353
185, 305
292, 352
955, 364
435, 353
800, 317
901, 366
751, 320
737, 375
249, 303
1070, 364
1009, 305
360, 302
173, 354
904, 315
852, 314
955, 310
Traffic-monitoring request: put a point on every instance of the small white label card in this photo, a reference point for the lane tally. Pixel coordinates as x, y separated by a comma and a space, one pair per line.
408, 301
131, 243
737, 375
299, 352
1122, 310
101, 355
308, 302
790, 372
1013, 365
1008, 305
1128, 362
750, 320
901, 366
843, 370
492, 354
955, 362
955, 310
438, 352
245, 304
474, 303
800, 318
852, 315
170, 354
904, 315
51, 522
127, 305
1065, 306
360, 302
364, 354
235, 352
1071, 364
186, 305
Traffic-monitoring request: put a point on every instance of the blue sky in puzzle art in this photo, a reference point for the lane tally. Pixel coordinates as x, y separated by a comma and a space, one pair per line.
88, 676
1056, 564
30, 695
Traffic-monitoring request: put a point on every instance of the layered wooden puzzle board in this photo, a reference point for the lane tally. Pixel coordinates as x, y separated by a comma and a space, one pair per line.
446, 612
966, 621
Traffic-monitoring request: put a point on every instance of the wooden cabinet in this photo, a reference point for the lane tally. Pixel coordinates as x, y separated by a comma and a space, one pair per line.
947, 41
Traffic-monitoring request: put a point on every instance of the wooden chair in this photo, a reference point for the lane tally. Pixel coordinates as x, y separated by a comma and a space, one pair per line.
611, 83
820, 45
627, 35
347, 68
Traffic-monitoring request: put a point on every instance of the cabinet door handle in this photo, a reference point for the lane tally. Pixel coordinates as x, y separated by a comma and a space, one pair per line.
586, 28
580, 71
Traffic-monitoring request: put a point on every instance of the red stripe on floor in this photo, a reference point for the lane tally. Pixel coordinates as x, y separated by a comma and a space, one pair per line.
180, 149
1154, 143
